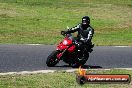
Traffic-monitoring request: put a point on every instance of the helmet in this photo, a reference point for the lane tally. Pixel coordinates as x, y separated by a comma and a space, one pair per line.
85, 21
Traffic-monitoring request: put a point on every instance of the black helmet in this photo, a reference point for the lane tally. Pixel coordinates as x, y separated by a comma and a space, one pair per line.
85, 21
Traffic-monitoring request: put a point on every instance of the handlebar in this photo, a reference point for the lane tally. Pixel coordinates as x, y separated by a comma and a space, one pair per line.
69, 35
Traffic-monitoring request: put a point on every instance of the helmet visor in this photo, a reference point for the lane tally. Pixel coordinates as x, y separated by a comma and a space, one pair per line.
85, 22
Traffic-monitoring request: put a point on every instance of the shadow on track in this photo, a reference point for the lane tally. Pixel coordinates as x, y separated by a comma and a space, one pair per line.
91, 67
85, 66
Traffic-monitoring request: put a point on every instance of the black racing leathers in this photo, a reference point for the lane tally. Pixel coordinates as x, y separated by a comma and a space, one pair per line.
84, 34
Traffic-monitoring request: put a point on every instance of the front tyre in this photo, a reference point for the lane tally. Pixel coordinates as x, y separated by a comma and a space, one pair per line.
52, 59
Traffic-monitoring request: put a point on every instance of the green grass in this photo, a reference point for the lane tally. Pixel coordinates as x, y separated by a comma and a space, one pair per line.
40, 21
57, 80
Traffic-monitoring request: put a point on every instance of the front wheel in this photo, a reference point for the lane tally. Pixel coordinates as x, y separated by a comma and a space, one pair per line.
52, 59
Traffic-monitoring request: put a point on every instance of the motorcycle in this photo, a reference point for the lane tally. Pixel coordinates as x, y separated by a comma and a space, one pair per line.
69, 52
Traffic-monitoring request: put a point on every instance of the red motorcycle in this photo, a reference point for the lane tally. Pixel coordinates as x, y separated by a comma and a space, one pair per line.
69, 53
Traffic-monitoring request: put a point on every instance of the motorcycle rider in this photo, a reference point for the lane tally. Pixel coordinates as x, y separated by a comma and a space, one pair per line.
85, 33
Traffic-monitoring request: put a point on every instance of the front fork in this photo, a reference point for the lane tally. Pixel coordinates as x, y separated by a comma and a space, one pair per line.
61, 54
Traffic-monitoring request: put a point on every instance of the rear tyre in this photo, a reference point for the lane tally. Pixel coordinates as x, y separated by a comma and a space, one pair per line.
52, 59
80, 61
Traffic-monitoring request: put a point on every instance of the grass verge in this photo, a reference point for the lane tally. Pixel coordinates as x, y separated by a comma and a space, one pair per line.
57, 80
40, 21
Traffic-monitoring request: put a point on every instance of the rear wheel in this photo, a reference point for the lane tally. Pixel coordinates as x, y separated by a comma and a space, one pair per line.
81, 59
52, 59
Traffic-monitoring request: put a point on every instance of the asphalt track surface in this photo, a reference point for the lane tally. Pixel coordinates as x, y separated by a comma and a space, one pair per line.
16, 58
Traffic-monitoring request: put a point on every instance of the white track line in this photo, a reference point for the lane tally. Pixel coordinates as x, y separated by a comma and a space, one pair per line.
51, 71
35, 72
34, 44
28, 72
122, 46
38, 71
